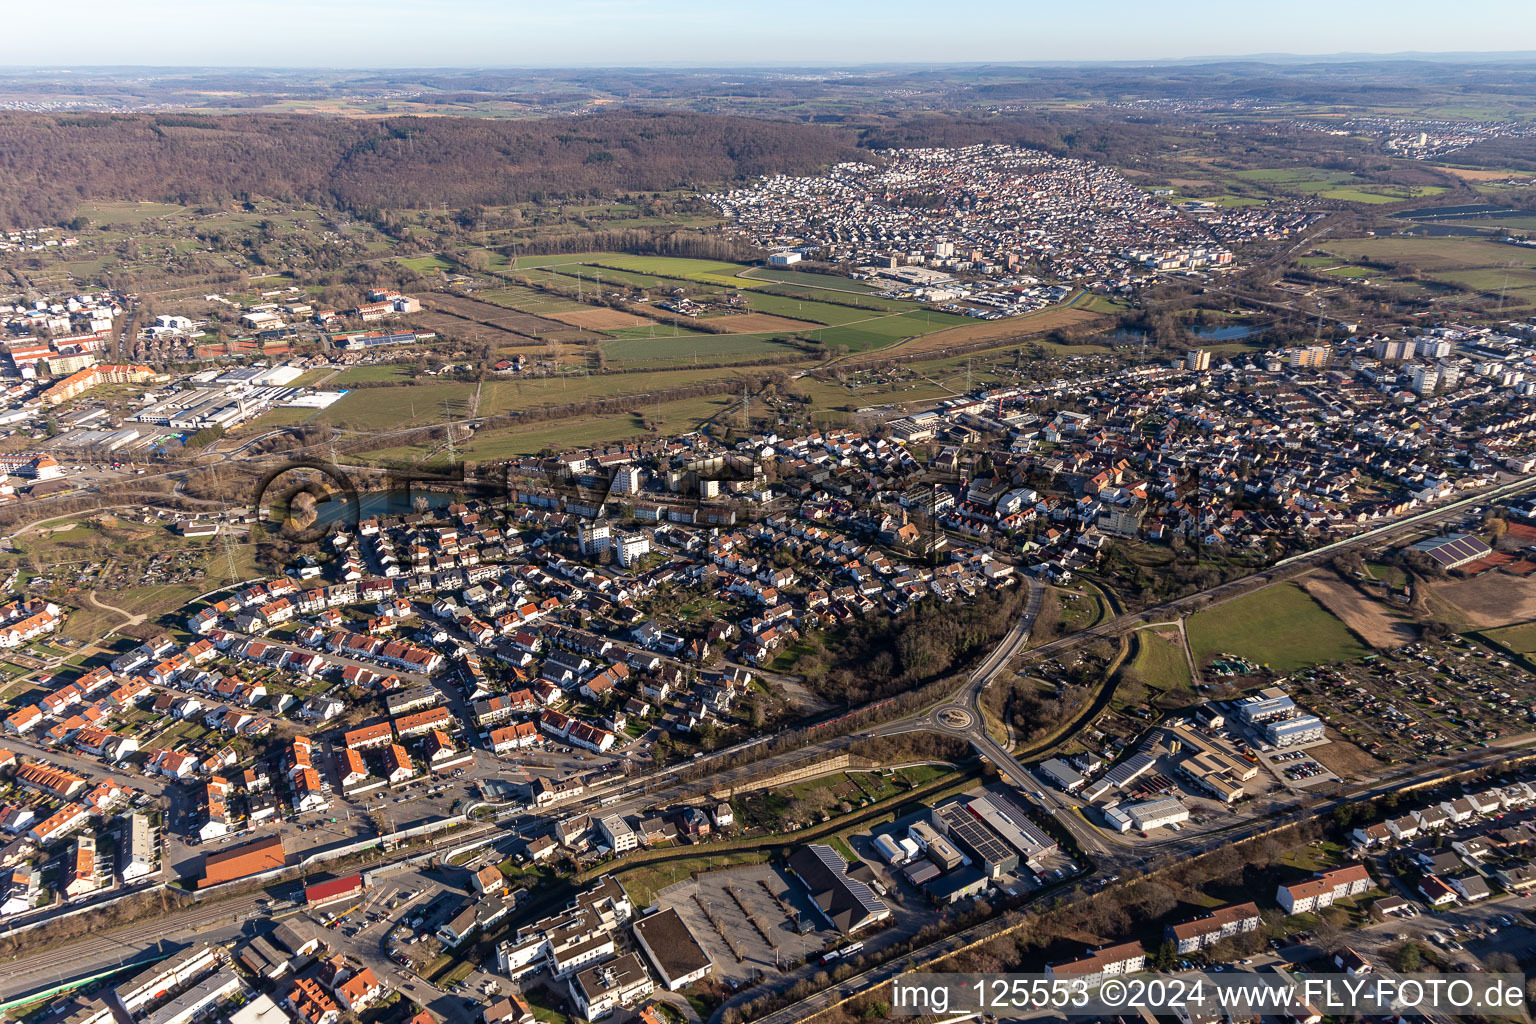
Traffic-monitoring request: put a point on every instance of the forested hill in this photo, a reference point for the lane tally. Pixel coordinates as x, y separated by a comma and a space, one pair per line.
49, 163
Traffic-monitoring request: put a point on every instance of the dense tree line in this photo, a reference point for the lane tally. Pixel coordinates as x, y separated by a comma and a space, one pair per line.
49, 164
880, 656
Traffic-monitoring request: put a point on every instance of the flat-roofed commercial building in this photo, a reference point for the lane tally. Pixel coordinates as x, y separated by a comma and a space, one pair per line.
984, 846
1290, 732
1151, 814
1017, 831
1060, 774
679, 958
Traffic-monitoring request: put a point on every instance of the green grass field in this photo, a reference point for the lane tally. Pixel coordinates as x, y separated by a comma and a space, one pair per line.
1521, 639
311, 377
1279, 626
1435, 254
1160, 660
882, 331
697, 348
658, 330
813, 280
372, 374
427, 264
801, 309
1339, 185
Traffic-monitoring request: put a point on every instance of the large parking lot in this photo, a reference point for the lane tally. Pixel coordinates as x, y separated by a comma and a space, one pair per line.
1298, 769
759, 914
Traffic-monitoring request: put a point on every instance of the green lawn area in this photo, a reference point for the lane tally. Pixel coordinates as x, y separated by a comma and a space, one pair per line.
1160, 659
1521, 639
312, 377
395, 408
814, 280
371, 375
1389, 574
1280, 626
642, 883
698, 348
426, 264
887, 330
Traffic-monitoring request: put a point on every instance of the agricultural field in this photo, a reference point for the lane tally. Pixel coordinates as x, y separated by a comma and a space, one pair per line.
1484, 602
1281, 627
698, 348
529, 300
1432, 255
654, 329
827, 313
506, 443
423, 404
761, 323
811, 280
1017, 328
467, 313
815, 307
704, 271
1380, 626
1475, 265
1339, 185
595, 318
398, 408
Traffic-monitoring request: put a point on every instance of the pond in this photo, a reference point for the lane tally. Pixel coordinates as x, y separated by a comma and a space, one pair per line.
1454, 212
381, 503
1224, 332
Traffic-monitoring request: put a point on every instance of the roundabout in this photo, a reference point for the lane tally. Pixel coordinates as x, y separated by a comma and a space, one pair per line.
956, 718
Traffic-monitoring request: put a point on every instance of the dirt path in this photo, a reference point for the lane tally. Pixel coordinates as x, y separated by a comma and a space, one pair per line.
129, 618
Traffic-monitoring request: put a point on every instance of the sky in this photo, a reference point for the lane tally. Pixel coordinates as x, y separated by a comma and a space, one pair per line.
632, 33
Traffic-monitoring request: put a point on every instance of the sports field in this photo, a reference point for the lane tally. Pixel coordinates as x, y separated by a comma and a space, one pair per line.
1281, 627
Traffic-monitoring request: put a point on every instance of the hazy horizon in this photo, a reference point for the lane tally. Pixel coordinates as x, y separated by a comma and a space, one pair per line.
452, 34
